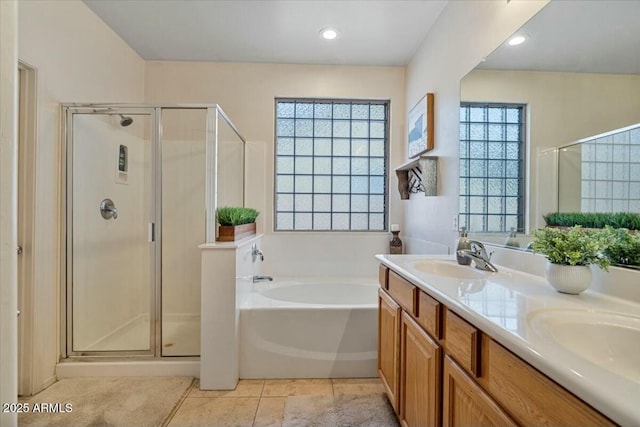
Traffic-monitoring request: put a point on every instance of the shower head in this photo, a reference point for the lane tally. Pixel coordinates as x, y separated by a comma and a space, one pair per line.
125, 121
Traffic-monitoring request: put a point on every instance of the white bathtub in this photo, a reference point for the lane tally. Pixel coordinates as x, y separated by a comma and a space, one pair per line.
310, 328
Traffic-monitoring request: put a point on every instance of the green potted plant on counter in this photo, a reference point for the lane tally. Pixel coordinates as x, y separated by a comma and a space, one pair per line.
235, 223
569, 253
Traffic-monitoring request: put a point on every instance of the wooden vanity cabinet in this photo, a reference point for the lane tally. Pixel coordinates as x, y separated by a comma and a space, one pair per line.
389, 346
411, 374
465, 404
439, 369
420, 360
528, 395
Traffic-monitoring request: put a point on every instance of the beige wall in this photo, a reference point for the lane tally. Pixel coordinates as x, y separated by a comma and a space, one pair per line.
562, 108
570, 174
8, 209
78, 59
246, 93
465, 32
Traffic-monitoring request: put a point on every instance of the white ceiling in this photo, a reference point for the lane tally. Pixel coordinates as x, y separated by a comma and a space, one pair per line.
576, 36
372, 32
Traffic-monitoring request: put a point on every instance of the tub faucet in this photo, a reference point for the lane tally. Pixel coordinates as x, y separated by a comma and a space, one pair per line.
255, 253
255, 279
479, 255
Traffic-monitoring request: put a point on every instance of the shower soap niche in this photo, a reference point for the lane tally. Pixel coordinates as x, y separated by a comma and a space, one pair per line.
122, 176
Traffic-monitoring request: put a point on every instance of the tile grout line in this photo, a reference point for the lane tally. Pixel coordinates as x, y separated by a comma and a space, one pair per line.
177, 406
255, 414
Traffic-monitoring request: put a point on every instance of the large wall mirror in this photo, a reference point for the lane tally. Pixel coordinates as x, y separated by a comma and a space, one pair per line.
575, 76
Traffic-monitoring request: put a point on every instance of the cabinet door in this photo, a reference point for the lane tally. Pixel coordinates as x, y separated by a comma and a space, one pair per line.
388, 346
465, 404
420, 358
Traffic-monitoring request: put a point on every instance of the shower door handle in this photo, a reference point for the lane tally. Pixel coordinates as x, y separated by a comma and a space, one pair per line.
152, 232
108, 209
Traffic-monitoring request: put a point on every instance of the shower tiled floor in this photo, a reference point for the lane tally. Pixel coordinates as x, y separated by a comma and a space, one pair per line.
286, 403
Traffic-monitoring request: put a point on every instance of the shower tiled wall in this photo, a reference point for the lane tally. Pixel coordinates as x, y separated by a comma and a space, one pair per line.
611, 172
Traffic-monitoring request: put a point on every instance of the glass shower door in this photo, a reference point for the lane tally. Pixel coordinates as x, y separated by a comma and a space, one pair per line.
183, 163
110, 248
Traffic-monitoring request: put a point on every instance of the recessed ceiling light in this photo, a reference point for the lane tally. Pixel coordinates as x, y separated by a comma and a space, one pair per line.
516, 40
329, 33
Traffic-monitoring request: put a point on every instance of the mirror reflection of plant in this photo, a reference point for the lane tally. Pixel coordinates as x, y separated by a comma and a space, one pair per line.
236, 215
625, 248
628, 220
574, 246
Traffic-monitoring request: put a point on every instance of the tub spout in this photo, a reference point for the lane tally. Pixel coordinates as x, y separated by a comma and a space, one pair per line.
255, 279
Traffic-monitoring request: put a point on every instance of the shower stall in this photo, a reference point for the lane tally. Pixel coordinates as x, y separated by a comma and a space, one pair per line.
141, 185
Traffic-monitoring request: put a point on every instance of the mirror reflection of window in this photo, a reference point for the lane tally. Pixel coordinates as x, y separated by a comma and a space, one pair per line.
606, 170
492, 167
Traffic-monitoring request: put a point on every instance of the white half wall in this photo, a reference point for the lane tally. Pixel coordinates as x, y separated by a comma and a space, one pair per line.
227, 270
465, 32
78, 59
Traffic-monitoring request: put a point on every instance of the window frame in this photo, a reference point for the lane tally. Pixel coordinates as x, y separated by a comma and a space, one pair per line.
522, 179
385, 192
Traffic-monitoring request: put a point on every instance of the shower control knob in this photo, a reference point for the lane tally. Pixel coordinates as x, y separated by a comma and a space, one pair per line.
108, 209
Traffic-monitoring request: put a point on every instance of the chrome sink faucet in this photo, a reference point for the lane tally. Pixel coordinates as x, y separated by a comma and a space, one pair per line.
479, 255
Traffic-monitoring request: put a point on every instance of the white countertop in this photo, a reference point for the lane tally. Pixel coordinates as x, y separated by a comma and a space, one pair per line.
501, 306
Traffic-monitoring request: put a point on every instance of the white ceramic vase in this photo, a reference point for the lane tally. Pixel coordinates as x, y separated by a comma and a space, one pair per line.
568, 279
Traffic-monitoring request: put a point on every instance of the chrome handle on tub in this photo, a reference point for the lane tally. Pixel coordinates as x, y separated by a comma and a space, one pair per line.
256, 253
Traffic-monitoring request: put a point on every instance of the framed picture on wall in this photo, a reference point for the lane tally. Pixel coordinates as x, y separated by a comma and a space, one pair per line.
420, 126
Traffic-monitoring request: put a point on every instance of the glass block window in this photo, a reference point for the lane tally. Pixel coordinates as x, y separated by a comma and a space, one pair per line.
492, 167
611, 172
331, 165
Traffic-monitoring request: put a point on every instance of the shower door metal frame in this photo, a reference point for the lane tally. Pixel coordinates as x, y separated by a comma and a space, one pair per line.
214, 112
66, 313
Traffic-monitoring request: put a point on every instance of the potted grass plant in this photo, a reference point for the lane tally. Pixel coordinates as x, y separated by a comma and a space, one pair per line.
235, 223
628, 220
569, 254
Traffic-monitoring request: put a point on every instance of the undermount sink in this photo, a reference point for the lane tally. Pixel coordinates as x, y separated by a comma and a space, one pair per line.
609, 340
448, 268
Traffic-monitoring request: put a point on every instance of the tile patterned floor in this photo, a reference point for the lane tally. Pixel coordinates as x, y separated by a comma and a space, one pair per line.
303, 402
128, 401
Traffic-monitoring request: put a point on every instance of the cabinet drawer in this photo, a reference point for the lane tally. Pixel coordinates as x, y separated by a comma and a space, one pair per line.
462, 342
531, 397
383, 276
429, 314
403, 292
